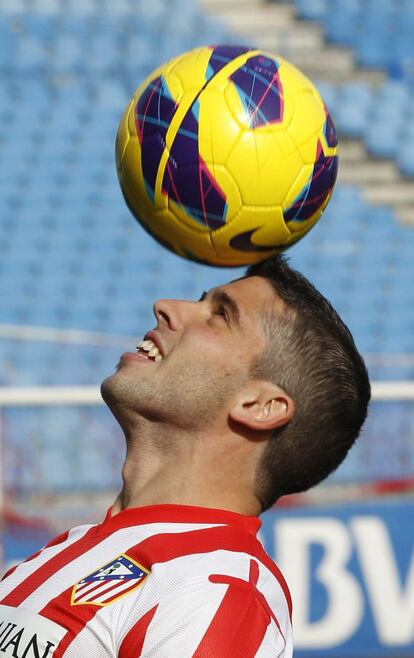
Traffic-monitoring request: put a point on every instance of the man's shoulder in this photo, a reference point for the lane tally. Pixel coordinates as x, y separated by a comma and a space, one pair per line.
203, 559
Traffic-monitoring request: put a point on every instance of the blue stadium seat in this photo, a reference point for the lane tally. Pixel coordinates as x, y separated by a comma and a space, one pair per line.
8, 44
313, 10
351, 111
405, 157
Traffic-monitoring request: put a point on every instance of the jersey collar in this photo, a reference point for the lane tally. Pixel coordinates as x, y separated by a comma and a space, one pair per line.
180, 514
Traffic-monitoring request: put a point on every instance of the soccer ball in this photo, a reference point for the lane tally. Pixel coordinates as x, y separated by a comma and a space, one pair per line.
227, 155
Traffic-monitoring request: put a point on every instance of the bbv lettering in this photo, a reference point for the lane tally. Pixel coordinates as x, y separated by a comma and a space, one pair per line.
381, 585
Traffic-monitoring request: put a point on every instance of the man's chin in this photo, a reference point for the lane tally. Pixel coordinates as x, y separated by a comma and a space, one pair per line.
106, 386
123, 387
115, 394
112, 387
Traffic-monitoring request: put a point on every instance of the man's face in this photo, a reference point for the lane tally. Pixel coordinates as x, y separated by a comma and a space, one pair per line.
207, 348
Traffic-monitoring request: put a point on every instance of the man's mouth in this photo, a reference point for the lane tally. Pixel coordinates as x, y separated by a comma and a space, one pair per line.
150, 350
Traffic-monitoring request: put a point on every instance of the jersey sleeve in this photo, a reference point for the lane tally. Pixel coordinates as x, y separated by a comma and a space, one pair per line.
218, 617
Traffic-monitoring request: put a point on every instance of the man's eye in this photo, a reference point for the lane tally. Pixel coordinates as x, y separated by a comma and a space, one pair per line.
220, 310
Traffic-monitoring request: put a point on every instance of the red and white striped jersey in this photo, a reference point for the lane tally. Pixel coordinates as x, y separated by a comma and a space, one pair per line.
166, 581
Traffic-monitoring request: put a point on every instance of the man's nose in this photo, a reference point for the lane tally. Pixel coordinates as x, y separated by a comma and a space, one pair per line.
174, 313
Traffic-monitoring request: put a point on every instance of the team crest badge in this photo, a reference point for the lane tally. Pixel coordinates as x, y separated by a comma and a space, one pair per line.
109, 583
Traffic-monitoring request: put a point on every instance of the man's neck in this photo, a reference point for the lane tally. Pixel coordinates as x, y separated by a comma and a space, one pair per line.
192, 472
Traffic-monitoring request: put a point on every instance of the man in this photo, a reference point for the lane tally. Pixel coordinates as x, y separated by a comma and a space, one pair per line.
253, 392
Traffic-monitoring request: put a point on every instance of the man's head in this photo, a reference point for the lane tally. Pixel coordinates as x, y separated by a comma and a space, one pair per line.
263, 366
204, 378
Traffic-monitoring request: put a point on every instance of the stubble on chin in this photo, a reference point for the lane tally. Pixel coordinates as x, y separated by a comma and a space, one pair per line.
116, 393
115, 388
110, 389
128, 395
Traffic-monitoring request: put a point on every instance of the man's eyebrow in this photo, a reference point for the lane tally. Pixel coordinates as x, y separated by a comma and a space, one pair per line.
223, 298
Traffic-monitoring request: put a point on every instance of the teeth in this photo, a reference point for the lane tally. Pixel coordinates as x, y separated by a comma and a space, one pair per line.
150, 347
146, 344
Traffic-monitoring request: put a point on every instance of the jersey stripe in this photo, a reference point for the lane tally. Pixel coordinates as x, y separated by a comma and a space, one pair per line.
30, 584
133, 641
165, 547
29, 566
59, 610
240, 620
252, 583
13, 568
54, 542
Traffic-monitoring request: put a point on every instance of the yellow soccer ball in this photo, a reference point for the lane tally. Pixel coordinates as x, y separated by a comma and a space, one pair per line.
227, 155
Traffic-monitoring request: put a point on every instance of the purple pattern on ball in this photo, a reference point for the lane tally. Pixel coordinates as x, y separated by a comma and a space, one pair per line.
259, 87
317, 189
329, 130
222, 55
243, 242
154, 111
187, 179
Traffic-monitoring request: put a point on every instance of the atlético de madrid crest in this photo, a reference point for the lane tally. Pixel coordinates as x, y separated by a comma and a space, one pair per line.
109, 583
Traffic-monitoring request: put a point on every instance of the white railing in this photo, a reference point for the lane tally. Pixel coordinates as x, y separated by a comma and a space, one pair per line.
65, 336
34, 396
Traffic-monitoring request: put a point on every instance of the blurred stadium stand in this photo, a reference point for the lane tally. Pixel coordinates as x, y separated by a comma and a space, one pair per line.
72, 257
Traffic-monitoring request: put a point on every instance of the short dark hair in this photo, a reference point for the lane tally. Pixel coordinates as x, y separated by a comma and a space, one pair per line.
311, 355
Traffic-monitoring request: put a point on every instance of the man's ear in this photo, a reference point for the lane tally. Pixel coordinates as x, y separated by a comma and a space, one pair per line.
262, 406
